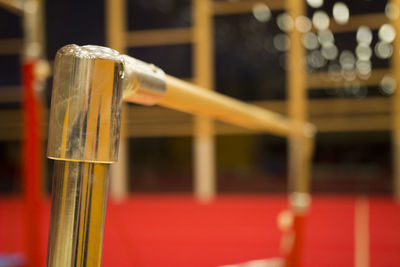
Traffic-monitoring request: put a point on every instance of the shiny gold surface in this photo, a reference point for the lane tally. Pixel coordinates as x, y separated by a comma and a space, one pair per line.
186, 97
77, 214
84, 128
142, 83
86, 105
83, 139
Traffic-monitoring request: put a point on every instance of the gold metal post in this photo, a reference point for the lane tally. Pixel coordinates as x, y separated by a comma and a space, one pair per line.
89, 85
395, 62
83, 140
186, 97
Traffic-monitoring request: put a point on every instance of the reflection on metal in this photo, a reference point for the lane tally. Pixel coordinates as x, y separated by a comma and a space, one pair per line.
77, 214
86, 84
83, 139
192, 99
84, 131
328, 115
143, 83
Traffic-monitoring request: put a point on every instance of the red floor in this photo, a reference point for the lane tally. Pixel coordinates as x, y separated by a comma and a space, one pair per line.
176, 231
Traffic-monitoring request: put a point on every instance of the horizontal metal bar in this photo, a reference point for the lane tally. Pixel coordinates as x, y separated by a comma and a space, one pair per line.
322, 80
12, 46
159, 37
10, 94
243, 7
15, 6
158, 121
373, 21
186, 97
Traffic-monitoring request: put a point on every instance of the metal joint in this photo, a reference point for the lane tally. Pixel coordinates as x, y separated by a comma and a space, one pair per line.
86, 105
142, 83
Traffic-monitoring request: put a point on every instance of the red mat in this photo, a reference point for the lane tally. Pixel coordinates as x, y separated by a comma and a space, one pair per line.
154, 230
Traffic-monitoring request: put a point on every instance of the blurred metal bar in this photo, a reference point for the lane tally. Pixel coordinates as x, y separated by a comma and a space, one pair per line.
373, 21
300, 146
297, 97
328, 115
244, 7
115, 32
190, 98
159, 37
11, 46
328, 80
204, 171
395, 62
15, 6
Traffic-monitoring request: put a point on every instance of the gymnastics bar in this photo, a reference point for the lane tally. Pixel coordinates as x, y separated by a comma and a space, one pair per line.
90, 83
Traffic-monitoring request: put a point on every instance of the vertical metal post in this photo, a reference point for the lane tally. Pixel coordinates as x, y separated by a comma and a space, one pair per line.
204, 143
300, 145
396, 107
115, 33
297, 94
83, 140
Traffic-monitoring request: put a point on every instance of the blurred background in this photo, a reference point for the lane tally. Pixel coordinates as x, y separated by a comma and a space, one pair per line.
352, 111
349, 61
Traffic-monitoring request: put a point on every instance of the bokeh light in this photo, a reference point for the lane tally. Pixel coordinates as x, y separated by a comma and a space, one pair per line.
316, 60
391, 11
388, 84
347, 60
383, 50
310, 40
364, 35
329, 51
315, 3
284, 22
341, 13
261, 12
363, 51
363, 68
320, 20
387, 33
281, 42
303, 24
334, 72
325, 36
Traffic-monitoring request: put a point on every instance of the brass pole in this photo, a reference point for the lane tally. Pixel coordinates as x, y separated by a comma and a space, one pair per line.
115, 33
89, 85
186, 97
395, 62
300, 146
297, 95
203, 135
83, 141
